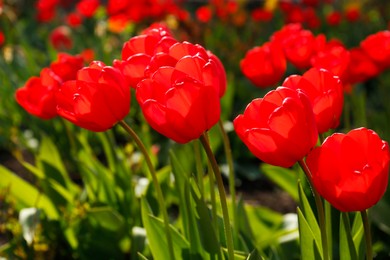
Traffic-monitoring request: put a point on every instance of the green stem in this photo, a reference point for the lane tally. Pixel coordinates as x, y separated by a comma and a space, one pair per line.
222, 195
232, 184
348, 231
320, 211
160, 197
367, 234
213, 199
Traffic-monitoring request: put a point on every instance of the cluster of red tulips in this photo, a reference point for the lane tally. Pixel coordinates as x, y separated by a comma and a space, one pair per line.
265, 65
178, 86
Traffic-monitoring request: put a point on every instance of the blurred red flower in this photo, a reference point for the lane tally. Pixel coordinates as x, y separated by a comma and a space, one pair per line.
333, 18
180, 98
361, 67
351, 170
265, 65
2, 38
352, 13
333, 57
280, 128
66, 66
96, 100
377, 46
60, 38
204, 14
299, 48
88, 55
37, 96
46, 9
261, 14
74, 19
325, 92
87, 7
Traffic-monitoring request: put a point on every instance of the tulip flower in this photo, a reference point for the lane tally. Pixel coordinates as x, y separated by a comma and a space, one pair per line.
377, 46
180, 98
37, 96
280, 128
264, 66
60, 38
333, 57
325, 92
66, 66
137, 52
299, 48
361, 67
87, 7
96, 100
351, 170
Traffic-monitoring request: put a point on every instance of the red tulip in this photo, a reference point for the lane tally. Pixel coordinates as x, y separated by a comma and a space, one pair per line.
66, 66
264, 66
280, 128
377, 46
352, 13
351, 170
299, 48
96, 100
37, 96
333, 18
180, 97
325, 92
137, 52
87, 7
60, 38
333, 57
261, 14
204, 14
361, 67
74, 19
46, 9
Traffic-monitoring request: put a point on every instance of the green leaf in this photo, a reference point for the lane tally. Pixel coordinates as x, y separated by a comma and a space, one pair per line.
254, 255
25, 194
48, 154
286, 179
207, 232
141, 256
186, 205
107, 218
347, 247
309, 215
358, 235
309, 245
155, 231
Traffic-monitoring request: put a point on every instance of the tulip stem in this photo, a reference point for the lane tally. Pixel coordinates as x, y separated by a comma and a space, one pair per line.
232, 185
157, 187
222, 195
320, 211
367, 234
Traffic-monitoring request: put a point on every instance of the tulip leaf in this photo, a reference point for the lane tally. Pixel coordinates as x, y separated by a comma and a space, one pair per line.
25, 194
208, 235
106, 217
309, 215
186, 205
156, 235
347, 247
284, 178
309, 245
254, 255
358, 235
